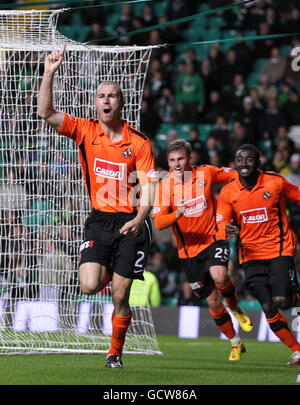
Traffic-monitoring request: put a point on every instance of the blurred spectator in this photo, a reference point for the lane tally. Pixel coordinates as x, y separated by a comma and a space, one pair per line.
211, 79
166, 107
149, 122
236, 92
273, 20
279, 160
197, 145
213, 108
283, 94
172, 135
242, 50
91, 15
271, 119
148, 15
215, 160
292, 171
167, 68
189, 57
155, 39
293, 22
177, 9
274, 68
216, 57
282, 135
238, 137
168, 34
249, 117
220, 130
55, 269
189, 95
235, 18
170, 251
96, 34
165, 278
143, 37
195, 158
214, 148
257, 103
230, 67
256, 14
124, 24
156, 84
266, 163
291, 108
263, 47
265, 89
13, 195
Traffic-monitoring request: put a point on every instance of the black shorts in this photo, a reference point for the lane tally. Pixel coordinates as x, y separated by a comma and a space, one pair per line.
103, 244
197, 268
271, 278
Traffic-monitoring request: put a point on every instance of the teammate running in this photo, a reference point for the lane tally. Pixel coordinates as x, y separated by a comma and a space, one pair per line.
185, 200
117, 234
253, 204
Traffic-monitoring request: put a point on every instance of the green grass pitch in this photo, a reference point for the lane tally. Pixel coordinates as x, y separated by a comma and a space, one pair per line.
202, 361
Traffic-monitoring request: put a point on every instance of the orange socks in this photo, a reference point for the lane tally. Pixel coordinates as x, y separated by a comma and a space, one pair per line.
228, 292
119, 329
279, 326
223, 321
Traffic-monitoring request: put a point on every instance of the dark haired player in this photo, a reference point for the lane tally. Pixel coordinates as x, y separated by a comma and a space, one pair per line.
253, 204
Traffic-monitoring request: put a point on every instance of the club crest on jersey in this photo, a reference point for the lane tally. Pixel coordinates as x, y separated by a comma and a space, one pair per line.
195, 207
267, 195
109, 170
254, 216
127, 153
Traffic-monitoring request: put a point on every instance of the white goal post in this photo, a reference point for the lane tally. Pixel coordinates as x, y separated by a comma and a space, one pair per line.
43, 201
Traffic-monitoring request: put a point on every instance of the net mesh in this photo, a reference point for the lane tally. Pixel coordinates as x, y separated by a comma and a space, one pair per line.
43, 201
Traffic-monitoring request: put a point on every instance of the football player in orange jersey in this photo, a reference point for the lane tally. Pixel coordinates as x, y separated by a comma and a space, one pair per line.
253, 205
184, 200
117, 232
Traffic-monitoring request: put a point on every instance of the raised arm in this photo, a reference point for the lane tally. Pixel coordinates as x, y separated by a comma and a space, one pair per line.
45, 99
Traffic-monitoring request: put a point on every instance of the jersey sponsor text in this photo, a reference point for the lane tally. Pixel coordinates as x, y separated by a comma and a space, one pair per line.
254, 216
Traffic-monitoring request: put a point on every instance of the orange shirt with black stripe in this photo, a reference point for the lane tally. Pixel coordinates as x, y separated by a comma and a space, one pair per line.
264, 228
195, 229
113, 171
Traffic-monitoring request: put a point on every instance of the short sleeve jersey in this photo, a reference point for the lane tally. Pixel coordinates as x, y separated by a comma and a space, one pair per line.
195, 230
113, 172
264, 229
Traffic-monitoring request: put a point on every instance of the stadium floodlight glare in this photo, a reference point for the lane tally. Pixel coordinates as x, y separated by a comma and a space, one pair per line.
43, 201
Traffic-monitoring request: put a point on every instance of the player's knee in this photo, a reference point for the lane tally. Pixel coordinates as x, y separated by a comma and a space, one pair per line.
220, 277
281, 302
269, 309
89, 289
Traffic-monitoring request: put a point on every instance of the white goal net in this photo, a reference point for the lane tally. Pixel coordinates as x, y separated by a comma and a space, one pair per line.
43, 201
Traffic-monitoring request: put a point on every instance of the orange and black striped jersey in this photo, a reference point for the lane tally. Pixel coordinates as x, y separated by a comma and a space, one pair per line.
113, 171
195, 229
264, 229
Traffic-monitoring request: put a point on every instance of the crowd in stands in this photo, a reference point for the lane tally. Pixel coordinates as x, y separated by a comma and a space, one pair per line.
218, 96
